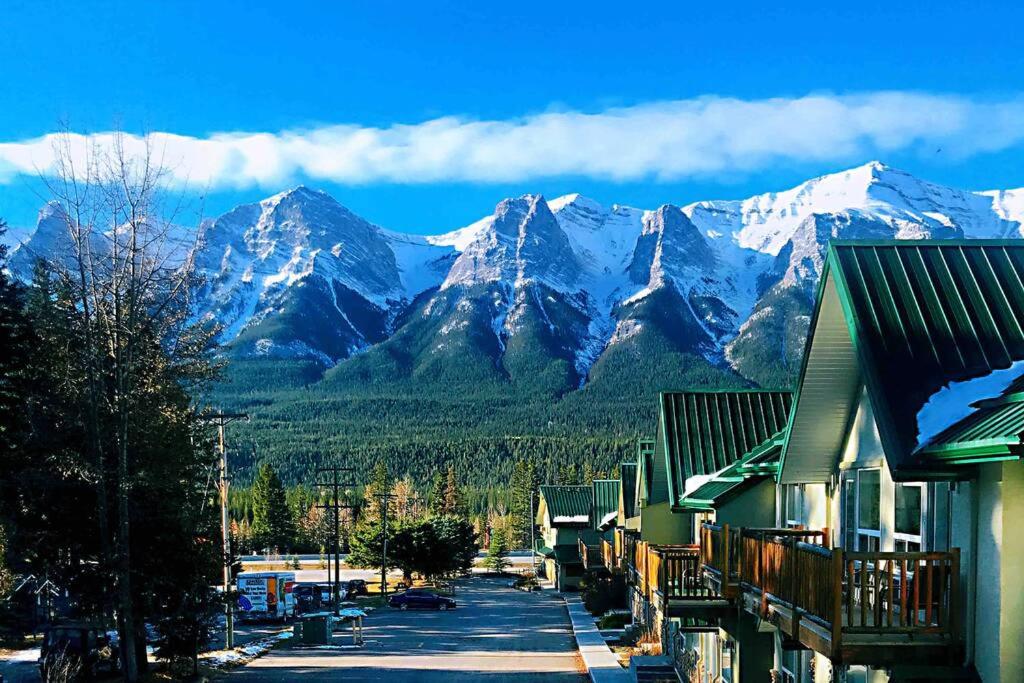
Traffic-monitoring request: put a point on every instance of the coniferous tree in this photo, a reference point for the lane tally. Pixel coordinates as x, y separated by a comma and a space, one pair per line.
523, 492
272, 525
437, 494
452, 500
498, 550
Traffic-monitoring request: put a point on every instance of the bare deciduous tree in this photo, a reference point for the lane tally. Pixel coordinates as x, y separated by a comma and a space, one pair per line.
129, 269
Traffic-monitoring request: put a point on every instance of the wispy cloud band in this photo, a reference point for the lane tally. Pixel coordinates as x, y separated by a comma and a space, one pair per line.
660, 141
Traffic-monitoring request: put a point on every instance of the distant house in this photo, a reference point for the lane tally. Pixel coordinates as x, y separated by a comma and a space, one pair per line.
564, 516
605, 515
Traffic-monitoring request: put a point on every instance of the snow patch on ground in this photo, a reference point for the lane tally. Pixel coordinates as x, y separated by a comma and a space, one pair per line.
221, 659
954, 402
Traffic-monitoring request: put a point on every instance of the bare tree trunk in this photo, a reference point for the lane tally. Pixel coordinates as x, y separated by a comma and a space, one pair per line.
127, 279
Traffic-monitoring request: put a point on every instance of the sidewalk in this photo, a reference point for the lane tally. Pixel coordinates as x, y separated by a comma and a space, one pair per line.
602, 664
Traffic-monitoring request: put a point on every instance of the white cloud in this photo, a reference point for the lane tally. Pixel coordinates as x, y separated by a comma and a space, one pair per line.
662, 140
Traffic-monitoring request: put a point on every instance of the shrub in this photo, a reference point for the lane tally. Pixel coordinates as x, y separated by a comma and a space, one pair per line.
615, 620
603, 591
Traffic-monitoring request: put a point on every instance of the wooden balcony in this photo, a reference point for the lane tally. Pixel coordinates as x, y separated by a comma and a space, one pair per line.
608, 555
590, 555
875, 608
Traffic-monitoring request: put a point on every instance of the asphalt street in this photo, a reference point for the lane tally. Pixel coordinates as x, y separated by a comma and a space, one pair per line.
496, 634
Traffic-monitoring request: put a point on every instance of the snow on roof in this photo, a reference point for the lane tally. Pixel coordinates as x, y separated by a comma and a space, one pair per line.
571, 519
953, 402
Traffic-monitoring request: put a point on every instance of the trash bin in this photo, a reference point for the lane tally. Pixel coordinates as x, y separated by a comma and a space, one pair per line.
316, 629
296, 632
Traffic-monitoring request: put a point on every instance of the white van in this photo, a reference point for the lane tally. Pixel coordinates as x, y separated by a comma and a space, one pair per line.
266, 595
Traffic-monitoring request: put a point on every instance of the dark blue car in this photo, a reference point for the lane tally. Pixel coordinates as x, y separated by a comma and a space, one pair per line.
421, 599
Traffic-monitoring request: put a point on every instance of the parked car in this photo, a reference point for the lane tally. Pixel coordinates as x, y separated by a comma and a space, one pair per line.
356, 587
421, 599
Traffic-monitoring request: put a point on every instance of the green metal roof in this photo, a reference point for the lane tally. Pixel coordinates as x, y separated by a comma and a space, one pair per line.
627, 474
920, 314
703, 432
606, 500
761, 462
994, 431
570, 503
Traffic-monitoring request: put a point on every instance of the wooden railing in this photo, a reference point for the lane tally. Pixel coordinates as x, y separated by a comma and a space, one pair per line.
904, 592
590, 555
608, 557
681, 574
719, 548
629, 554
853, 592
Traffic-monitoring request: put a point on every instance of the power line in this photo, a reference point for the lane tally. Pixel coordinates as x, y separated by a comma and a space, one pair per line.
222, 420
334, 485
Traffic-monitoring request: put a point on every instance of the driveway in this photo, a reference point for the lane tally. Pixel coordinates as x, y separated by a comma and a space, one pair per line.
497, 634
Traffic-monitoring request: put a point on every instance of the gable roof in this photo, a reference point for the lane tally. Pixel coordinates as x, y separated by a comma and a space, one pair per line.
703, 432
606, 502
903, 318
627, 488
567, 505
761, 462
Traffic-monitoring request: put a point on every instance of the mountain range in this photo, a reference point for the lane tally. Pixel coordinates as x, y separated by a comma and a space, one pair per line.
551, 302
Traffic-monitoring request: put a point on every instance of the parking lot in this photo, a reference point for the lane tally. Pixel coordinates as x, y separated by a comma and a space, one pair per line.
496, 634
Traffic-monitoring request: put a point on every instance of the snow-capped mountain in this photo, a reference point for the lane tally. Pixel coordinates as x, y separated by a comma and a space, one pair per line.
561, 289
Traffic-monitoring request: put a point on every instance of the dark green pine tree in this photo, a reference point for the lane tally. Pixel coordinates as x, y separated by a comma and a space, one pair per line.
452, 498
272, 523
525, 481
437, 494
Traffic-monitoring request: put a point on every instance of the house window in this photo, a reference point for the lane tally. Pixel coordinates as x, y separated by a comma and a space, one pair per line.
869, 518
909, 499
794, 507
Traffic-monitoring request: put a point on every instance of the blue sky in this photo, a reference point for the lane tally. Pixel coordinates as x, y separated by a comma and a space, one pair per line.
526, 97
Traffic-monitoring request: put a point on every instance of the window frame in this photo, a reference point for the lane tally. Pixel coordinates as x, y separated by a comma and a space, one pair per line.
904, 538
863, 535
794, 495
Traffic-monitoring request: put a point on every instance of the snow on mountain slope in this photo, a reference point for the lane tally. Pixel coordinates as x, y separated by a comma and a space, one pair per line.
1008, 205
253, 255
523, 242
766, 222
570, 273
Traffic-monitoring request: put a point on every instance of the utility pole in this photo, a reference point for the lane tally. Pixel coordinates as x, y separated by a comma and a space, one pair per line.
385, 498
334, 485
533, 544
222, 420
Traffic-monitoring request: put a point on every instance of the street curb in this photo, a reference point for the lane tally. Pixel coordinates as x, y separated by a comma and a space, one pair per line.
602, 664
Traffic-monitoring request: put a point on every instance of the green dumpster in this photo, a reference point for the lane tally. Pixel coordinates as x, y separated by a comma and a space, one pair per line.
316, 629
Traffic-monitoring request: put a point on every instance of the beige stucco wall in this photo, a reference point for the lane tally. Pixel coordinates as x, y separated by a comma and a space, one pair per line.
1011, 579
752, 508
658, 524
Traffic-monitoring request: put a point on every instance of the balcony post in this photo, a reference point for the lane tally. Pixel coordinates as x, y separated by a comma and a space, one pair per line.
725, 559
837, 603
954, 596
